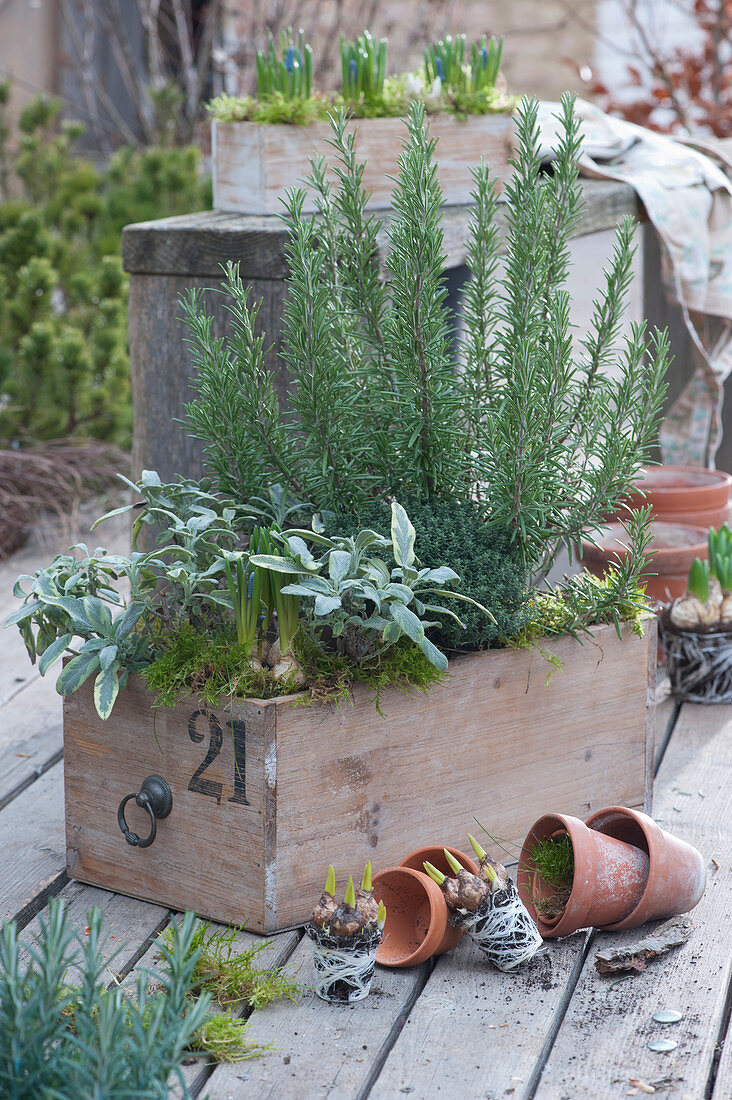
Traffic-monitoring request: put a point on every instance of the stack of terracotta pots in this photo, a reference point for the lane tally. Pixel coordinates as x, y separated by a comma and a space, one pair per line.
686, 502
627, 870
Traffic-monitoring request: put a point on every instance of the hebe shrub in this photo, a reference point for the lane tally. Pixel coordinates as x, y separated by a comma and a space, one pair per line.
454, 533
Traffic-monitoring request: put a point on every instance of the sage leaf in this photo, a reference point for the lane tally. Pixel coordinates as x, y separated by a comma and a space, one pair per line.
106, 689
76, 672
53, 651
408, 621
402, 535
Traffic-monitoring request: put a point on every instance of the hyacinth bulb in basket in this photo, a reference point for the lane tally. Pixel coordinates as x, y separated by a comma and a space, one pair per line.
696, 629
345, 938
488, 909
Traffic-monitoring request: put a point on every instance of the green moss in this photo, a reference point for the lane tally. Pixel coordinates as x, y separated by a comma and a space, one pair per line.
581, 602
394, 103
229, 973
234, 981
553, 859
331, 676
223, 1039
211, 668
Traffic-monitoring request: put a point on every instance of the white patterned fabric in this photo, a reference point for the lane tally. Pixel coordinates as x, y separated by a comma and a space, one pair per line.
688, 199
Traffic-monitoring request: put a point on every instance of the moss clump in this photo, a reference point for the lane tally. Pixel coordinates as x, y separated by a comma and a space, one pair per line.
222, 1038
553, 859
236, 984
210, 668
455, 533
230, 974
331, 676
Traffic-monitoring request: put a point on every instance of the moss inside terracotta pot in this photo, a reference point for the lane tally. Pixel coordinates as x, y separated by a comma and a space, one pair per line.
553, 859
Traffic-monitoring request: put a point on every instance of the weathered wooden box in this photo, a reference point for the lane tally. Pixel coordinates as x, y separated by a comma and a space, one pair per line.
255, 163
267, 794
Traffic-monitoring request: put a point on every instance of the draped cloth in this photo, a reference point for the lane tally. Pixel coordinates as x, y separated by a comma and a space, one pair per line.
686, 189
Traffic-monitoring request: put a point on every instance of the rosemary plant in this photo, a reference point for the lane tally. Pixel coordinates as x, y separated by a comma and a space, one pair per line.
91, 1040
540, 434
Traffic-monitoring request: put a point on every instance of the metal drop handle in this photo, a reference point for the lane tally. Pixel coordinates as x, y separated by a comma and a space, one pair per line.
156, 797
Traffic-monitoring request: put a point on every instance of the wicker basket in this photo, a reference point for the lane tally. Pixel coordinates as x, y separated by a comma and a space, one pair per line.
699, 662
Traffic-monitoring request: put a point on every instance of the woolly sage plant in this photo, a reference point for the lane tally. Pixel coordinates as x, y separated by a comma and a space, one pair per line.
545, 436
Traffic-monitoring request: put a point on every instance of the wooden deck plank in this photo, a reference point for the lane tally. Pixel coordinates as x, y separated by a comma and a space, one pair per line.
475, 1032
23, 760
34, 847
128, 928
321, 1049
694, 801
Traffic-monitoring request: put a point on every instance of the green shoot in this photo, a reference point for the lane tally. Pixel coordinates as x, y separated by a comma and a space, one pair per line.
445, 60
454, 863
286, 606
350, 898
291, 74
477, 848
330, 882
434, 873
381, 915
699, 579
245, 588
366, 880
363, 68
720, 561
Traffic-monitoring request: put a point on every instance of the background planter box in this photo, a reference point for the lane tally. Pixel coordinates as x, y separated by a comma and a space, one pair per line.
252, 831
254, 164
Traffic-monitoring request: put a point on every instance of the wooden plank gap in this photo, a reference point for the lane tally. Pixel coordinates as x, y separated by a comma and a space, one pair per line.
395, 1031
666, 737
21, 687
559, 1015
35, 774
50, 890
143, 949
723, 1038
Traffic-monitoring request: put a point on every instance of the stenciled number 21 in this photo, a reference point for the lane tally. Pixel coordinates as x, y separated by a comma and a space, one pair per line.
210, 787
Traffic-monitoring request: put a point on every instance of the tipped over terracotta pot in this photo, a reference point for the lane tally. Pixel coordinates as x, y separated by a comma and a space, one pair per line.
416, 917
435, 854
676, 874
607, 883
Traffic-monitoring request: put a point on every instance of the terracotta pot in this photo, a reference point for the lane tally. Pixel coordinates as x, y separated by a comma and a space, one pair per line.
416, 917
670, 555
610, 876
676, 875
685, 494
435, 855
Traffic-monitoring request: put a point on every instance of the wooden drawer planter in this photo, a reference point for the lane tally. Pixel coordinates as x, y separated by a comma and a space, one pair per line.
318, 786
254, 163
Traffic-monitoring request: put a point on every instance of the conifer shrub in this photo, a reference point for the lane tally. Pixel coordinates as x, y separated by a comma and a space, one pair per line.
64, 361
